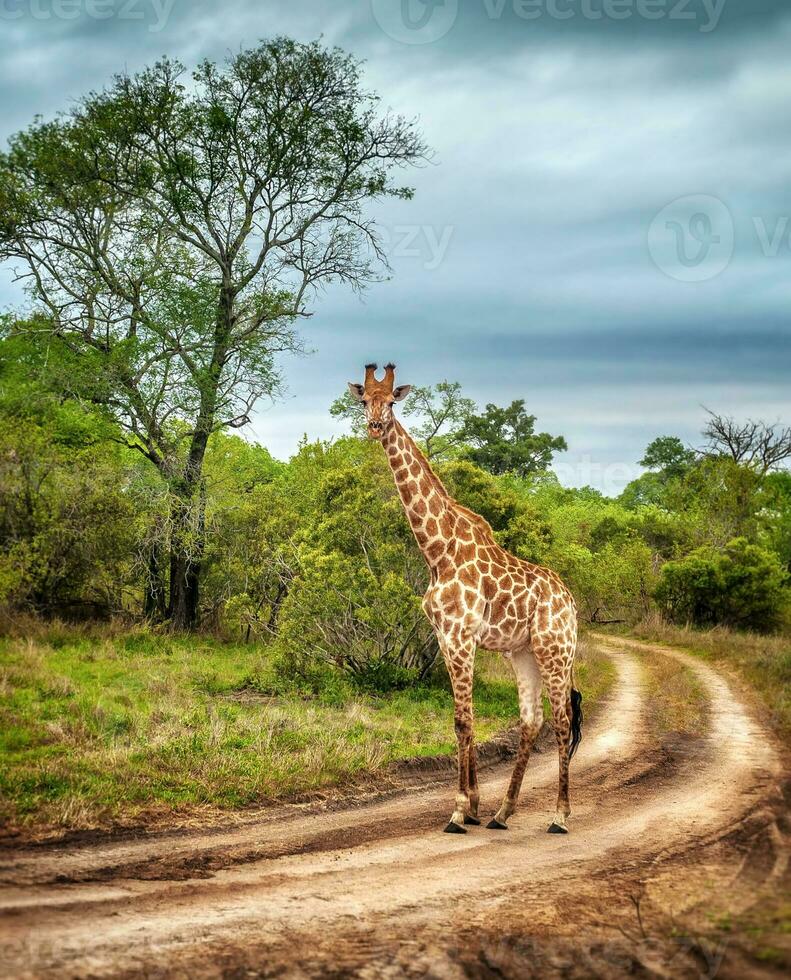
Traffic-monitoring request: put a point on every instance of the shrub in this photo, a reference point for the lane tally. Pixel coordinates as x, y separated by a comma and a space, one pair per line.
613, 583
66, 525
481, 492
338, 611
743, 586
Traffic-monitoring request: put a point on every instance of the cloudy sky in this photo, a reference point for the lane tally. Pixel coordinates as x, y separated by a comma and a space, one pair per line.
605, 230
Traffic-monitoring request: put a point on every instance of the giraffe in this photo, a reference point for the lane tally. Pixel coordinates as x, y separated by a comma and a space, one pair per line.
480, 596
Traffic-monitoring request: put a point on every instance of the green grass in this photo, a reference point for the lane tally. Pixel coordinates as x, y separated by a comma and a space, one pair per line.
764, 661
101, 728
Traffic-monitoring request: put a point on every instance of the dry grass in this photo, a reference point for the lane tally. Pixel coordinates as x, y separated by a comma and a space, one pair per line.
763, 661
594, 672
676, 698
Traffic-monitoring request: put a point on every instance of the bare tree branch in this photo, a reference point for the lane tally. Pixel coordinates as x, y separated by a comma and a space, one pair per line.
756, 444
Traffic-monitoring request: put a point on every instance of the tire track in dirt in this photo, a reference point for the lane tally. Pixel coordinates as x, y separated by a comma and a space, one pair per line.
635, 800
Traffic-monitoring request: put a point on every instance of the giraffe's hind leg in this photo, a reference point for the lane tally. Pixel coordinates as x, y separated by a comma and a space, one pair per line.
555, 657
560, 700
528, 682
471, 817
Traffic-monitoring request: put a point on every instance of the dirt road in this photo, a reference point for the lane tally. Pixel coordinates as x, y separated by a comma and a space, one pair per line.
668, 836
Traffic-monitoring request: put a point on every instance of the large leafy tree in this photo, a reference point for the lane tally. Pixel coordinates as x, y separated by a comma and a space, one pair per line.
173, 231
504, 440
441, 413
668, 456
667, 459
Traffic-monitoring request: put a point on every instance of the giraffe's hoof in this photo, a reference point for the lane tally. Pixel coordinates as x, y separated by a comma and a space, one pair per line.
471, 820
555, 828
454, 828
494, 824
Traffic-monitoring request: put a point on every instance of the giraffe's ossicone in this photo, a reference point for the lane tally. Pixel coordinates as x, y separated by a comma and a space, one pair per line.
480, 595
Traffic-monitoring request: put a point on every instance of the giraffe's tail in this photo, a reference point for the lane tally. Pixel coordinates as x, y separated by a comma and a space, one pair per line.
576, 721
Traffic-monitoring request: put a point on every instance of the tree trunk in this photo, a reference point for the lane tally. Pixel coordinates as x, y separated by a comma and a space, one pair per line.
282, 592
154, 600
186, 556
188, 537
184, 578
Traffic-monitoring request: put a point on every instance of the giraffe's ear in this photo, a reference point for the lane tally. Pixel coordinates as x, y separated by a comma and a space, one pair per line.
400, 393
357, 391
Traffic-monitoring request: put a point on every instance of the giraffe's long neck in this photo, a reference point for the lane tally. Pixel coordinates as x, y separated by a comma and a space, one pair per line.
422, 494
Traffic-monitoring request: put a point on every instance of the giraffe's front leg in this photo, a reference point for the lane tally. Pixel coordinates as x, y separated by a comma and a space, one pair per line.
460, 666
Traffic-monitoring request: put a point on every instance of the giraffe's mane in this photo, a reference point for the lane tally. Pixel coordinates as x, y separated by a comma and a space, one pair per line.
483, 526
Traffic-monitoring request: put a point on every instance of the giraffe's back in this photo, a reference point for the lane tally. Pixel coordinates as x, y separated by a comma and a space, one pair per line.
505, 601
529, 602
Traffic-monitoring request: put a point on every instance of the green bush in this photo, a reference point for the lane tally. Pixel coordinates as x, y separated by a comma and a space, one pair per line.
742, 586
67, 524
339, 612
481, 492
613, 583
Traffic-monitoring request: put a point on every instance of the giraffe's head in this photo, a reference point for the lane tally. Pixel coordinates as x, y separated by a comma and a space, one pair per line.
378, 397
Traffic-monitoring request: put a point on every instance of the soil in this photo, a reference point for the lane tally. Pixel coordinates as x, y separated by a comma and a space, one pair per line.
676, 866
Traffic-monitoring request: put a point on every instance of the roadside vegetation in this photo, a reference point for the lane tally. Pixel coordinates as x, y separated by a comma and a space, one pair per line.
102, 726
763, 661
676, 700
